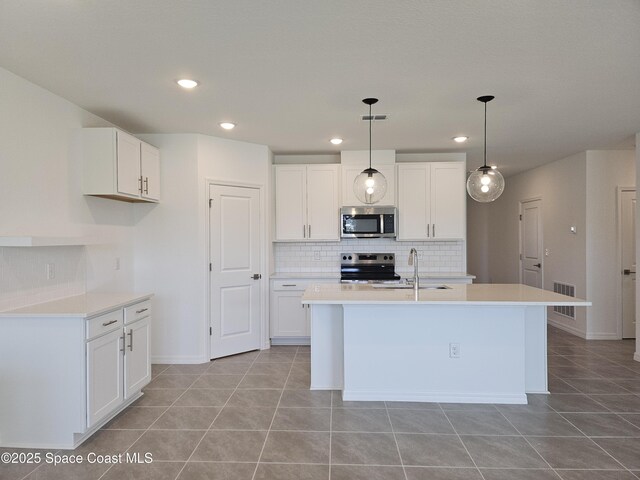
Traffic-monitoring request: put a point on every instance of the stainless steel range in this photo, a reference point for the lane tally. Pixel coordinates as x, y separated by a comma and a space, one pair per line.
368, 268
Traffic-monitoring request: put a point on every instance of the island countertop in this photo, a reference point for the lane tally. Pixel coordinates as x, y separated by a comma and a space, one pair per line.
472, 294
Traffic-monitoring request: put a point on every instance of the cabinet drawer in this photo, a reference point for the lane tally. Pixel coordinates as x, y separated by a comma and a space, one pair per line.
137, 311
104, 323
294, 284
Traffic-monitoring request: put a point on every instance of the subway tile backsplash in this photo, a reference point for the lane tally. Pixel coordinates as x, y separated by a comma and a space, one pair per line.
324, 257
23, 274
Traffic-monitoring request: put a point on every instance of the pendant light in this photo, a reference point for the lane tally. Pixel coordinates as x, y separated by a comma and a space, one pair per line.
370, 186
486, 183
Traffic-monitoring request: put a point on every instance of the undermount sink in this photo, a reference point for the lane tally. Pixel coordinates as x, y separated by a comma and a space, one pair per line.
405, 286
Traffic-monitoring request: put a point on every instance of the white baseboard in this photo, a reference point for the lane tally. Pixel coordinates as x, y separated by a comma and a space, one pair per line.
603, 336
291, 341
566, 328
176, 359
518, 399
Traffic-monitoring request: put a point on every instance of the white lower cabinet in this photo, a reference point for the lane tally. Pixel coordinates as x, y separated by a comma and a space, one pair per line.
105, 385
119, 362
68, 371
290, 319
137, 356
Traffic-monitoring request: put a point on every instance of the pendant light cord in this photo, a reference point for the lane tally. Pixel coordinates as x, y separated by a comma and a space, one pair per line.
370, 121
485, 135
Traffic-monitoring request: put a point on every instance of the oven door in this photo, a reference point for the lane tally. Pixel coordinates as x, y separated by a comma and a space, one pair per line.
362, 226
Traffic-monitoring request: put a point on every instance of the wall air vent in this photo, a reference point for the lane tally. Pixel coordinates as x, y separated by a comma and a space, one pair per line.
377, 117
568, 290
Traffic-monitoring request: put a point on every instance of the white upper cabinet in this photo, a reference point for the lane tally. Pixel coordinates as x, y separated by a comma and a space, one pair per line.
431, 201
307, 202
119, 166
355, 161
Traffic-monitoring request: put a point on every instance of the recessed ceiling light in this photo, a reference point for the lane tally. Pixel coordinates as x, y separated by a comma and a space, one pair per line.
227, 125
336, 141
186, 83
460, 139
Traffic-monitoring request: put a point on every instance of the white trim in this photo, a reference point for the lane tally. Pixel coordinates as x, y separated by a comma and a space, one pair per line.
636, 356
290, 341
179, 359
541, 233
264, 259
602, 336
619, 318
514, 398
565, 327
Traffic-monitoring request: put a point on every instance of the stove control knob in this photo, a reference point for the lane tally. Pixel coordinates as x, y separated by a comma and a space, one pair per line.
386, 258
390, 257
344, 257
350, 257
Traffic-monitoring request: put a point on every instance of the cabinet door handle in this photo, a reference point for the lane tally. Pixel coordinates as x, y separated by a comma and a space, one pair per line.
130, 339
309, 231
106, 324
142, 310
146, 184
304, 231
434, 230
140, 182
122, 349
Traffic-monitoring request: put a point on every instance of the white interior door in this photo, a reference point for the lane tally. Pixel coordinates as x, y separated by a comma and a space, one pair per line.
628, 251
531, 245
234, 221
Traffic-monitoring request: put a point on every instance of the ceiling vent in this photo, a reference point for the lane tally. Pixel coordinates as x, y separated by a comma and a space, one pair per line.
366, 118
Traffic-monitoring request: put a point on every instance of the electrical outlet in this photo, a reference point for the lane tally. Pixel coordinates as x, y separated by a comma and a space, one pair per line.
454, 350
546, 252
117, 263
51, 271
316, 255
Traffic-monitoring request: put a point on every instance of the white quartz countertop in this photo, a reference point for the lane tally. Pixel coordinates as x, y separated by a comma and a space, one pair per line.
87, 305
465, 294
426, 276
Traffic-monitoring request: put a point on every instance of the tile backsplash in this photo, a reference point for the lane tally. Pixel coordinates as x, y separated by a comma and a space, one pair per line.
324, 257
23, 274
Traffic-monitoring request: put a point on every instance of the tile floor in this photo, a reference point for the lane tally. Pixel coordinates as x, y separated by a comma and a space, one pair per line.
252, 416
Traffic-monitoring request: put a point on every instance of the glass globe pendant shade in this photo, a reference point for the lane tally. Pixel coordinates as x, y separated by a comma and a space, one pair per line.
485, 184
370, 186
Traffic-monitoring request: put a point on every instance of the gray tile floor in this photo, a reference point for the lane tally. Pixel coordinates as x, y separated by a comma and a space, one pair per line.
252, 416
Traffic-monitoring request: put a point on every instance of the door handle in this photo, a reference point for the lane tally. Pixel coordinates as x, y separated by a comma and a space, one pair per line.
628, 271
256, 276
539, 265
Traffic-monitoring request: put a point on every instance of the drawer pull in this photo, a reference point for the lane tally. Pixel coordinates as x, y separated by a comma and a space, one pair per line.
289, 285
111, 322
140, 311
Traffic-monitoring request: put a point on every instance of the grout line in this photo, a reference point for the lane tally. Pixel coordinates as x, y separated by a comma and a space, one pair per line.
395, 439
217, 415
266, 438
460, 440
330, 429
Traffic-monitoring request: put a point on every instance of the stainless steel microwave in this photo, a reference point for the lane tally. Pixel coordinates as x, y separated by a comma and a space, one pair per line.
368, 222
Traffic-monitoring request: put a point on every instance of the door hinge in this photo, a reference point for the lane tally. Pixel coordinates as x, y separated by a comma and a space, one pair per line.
520, 217
210, 267
210, 200
210, 331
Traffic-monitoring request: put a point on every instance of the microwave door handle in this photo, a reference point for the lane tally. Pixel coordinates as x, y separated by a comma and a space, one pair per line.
381, 224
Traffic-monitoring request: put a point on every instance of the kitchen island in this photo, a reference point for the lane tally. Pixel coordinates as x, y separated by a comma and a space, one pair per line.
478, 343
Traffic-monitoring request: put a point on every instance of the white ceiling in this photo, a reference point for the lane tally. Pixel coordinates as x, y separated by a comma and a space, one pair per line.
292, 73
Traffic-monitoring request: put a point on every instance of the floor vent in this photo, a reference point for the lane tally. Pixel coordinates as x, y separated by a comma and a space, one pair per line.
568, 290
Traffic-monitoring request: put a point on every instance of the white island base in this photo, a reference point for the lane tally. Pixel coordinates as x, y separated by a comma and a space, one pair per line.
404, 352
